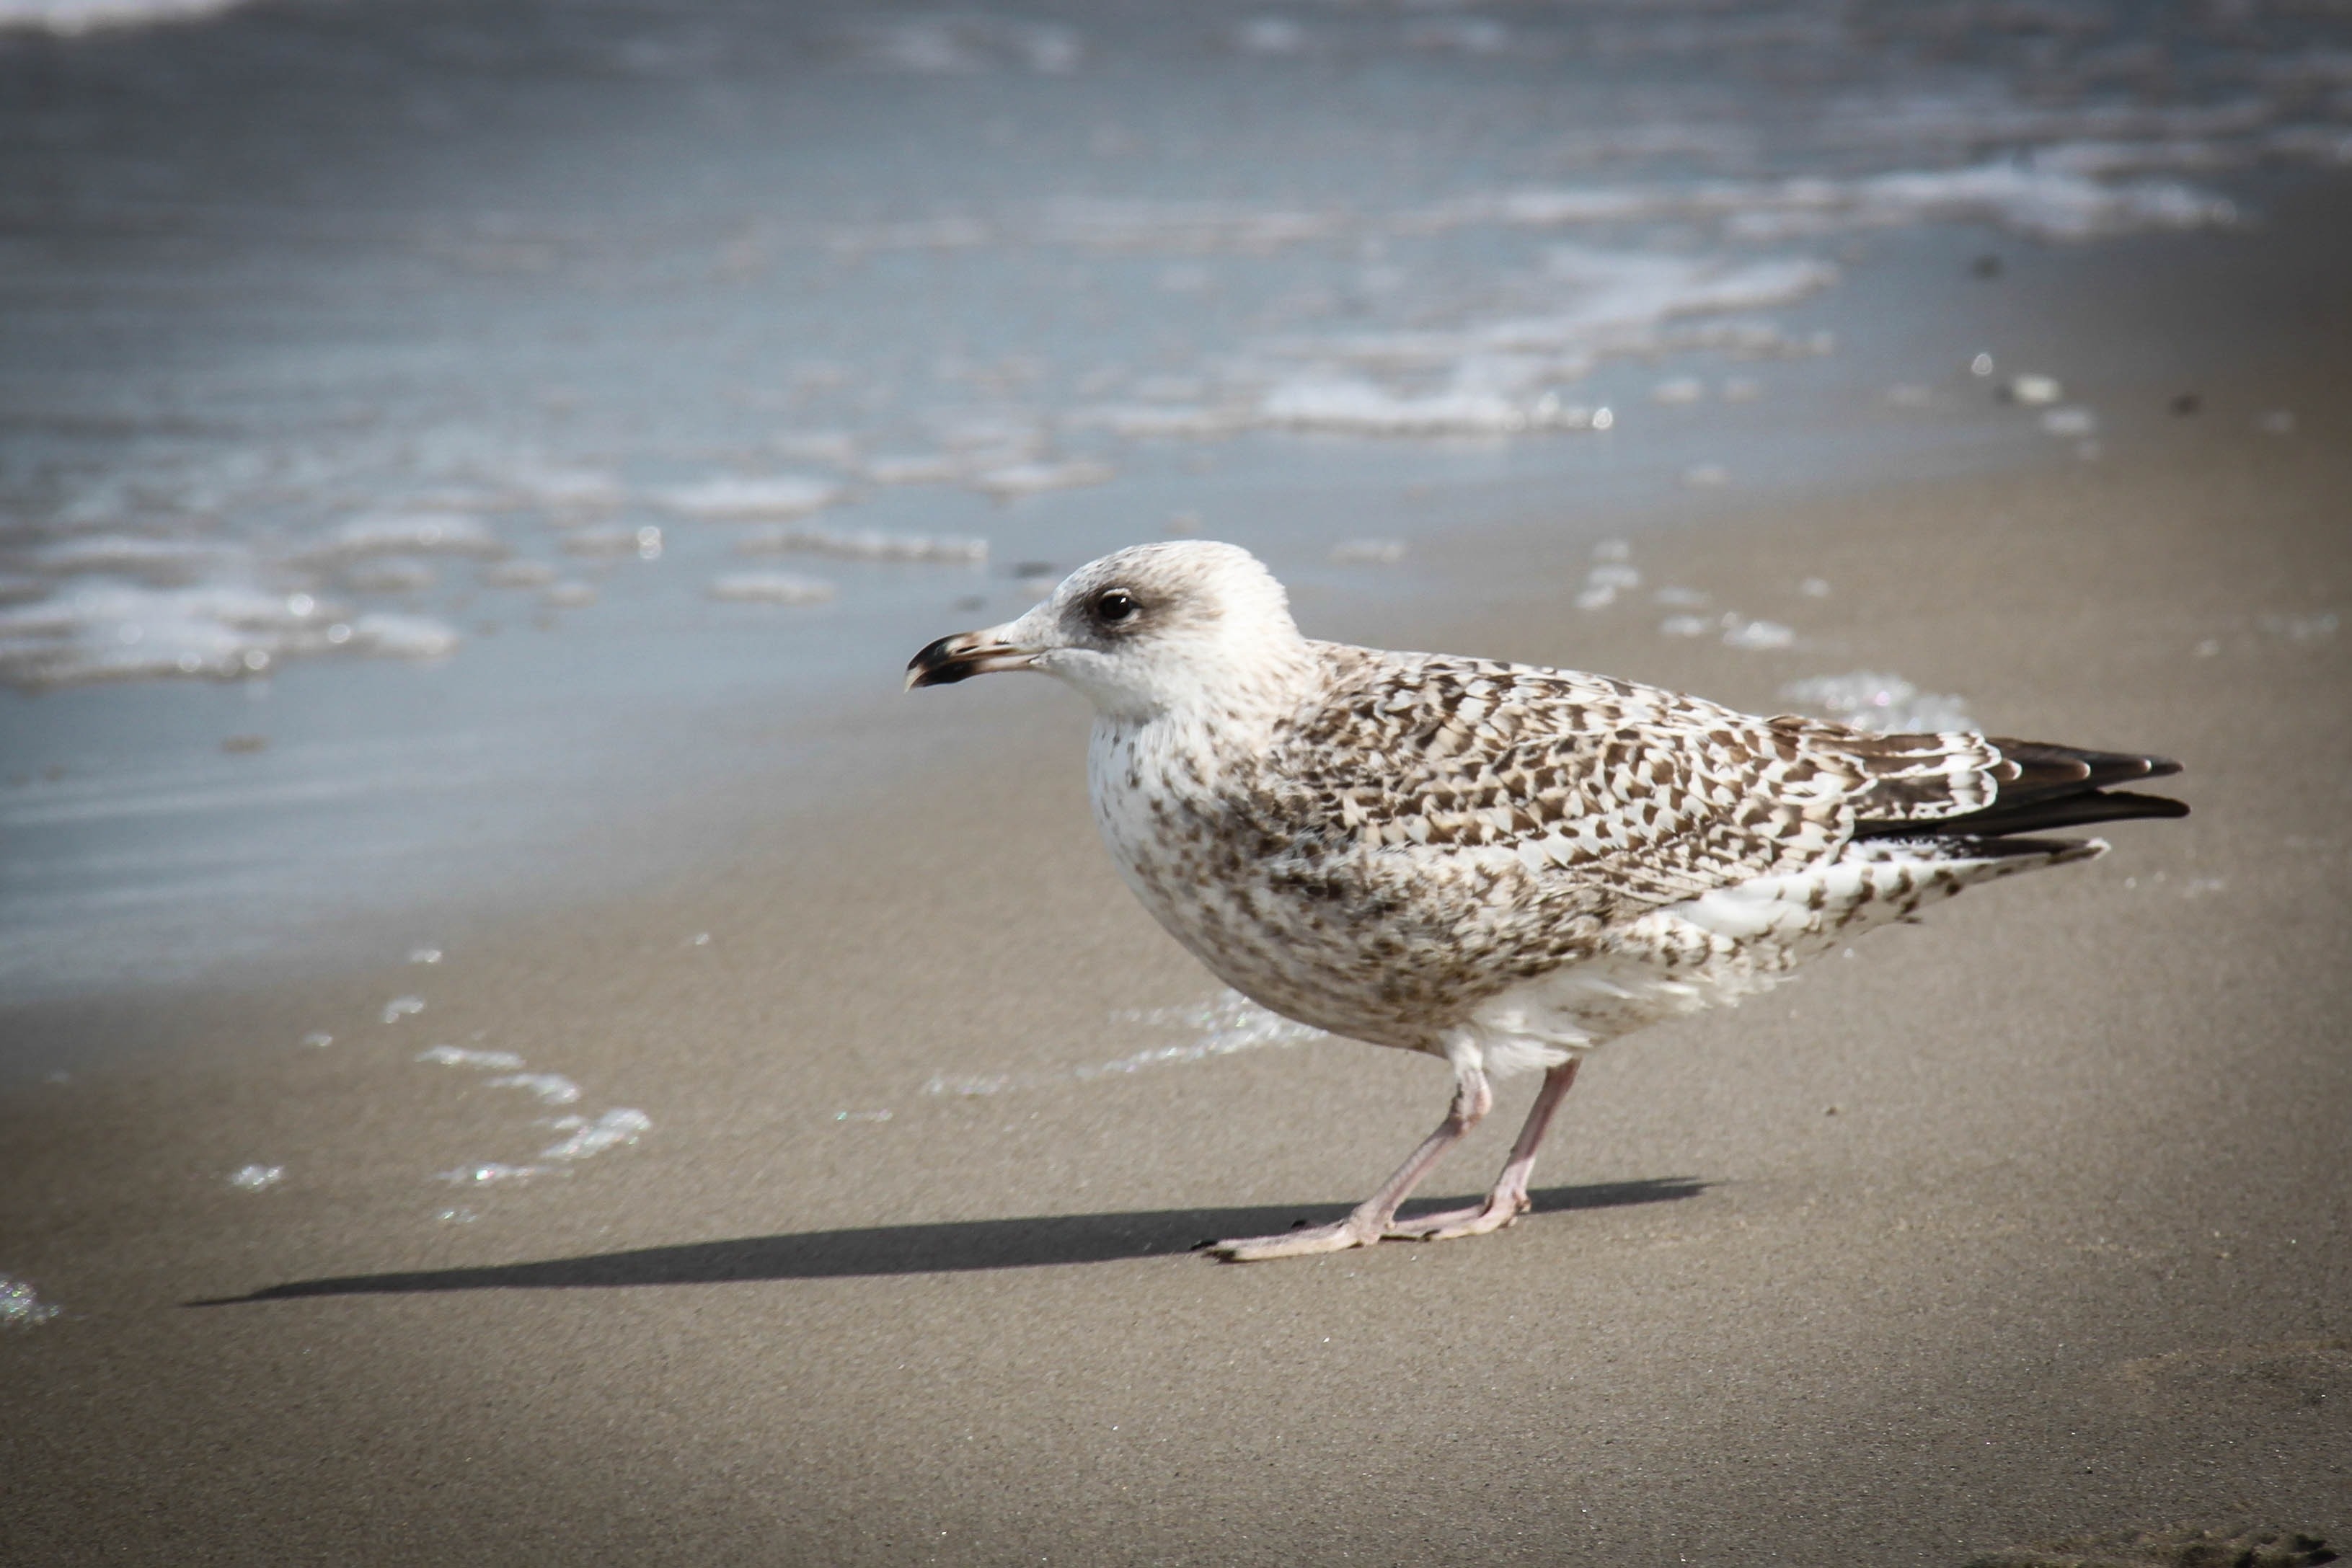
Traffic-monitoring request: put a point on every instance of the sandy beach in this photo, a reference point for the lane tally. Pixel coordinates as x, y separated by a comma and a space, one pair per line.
2026, 1224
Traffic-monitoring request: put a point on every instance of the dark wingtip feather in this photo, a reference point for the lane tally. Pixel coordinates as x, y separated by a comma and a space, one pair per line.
2036, 816
2044, 768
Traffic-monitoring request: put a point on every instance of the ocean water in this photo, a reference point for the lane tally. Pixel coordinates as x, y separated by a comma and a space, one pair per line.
429, 431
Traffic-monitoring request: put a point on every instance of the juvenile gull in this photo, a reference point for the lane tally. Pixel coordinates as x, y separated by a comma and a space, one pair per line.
1497, 865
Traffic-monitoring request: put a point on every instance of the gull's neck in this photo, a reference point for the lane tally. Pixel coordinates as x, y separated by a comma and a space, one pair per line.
1225, 713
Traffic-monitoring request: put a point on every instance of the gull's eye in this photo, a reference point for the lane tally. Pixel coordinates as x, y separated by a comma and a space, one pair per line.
1113, 607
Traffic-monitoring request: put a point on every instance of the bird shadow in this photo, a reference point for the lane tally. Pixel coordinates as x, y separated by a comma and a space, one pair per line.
948, 1246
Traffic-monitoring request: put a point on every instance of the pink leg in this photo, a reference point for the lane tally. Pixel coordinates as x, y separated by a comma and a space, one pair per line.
1508, 1199
1372, 1218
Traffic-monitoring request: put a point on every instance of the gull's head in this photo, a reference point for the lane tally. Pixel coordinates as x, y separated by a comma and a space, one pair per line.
1143, 630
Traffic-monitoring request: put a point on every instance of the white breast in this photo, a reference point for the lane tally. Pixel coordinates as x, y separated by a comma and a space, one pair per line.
1146, 782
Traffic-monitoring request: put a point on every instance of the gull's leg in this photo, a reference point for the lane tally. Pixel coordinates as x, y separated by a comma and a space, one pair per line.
1370, 1218
1508, 1199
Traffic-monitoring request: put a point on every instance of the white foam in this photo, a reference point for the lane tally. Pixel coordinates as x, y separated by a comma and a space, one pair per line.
1757, 636
401, 636
614, 1129
1227, 1023
2302, 629
130, 555
1016, 479
2073, 420
400, 1008
984, 1083
865, 544
1914, 119
257, 1178
1367, 552
489, 1173
72, 17
2044, 200
771, 588
1604, 582
551, 1088
461, 1056
1499, 375
98, 629
1880, 704
407, 533
732, 500
1359, 406
110, 631
966, 43
21, 1306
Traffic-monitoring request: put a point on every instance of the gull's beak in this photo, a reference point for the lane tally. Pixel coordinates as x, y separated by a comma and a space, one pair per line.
964, 656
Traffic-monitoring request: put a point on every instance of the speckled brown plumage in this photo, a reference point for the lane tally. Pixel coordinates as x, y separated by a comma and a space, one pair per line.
1500, 864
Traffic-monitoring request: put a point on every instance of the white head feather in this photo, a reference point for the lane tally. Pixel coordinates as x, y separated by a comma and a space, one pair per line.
1187, 626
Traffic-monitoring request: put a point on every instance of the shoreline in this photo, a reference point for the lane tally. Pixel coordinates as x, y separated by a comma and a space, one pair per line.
260, 839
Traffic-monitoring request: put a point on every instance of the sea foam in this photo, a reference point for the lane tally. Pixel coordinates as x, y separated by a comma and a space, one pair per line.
1880, 704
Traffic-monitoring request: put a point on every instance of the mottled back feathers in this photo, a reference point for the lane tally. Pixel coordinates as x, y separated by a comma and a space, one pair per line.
1428, 753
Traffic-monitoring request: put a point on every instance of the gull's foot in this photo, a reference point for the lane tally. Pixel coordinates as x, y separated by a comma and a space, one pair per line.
1336, 1237
1501, 1209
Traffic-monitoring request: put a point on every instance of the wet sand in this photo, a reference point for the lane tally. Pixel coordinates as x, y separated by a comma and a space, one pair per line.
2028, 1222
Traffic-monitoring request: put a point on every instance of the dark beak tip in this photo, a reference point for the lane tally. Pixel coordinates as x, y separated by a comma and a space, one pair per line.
940, 664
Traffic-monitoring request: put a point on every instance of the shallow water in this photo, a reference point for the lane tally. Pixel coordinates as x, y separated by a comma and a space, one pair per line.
426, 431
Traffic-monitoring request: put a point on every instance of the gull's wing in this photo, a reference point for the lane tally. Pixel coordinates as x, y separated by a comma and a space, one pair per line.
1661, 796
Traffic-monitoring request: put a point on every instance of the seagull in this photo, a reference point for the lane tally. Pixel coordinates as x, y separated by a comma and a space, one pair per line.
1498, 864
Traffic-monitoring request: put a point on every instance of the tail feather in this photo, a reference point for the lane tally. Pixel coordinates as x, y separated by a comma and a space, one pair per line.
2040, 787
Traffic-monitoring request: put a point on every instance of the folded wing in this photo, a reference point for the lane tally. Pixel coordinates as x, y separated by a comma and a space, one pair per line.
1663, 796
